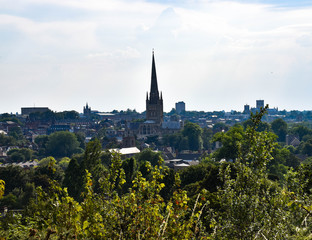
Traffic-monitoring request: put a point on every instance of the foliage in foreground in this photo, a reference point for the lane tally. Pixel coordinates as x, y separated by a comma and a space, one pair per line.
139, 214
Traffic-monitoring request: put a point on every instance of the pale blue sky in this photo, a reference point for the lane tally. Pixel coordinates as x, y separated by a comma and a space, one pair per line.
211, 54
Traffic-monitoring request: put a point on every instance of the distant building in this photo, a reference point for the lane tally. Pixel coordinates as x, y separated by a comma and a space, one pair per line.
128, 141
125, 152
246, 109
58, 128
86, 111
154, 108
259, 104
154, 102
154, 124
180, 107
28, 110
292, 140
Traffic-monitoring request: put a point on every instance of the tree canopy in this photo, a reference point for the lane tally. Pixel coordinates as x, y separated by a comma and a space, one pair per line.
62, 144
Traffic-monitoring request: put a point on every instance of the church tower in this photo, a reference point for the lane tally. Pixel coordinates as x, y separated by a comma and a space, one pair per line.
154, 101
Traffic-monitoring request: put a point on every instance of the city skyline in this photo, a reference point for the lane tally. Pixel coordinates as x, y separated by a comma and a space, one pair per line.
213, 55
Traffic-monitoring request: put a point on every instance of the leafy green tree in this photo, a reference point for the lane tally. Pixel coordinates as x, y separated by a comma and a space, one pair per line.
9, 117
92, 154
230, 143
106, 158
130, 167
62, 144
15, 177
10, 200
19, 187
81, 137
300, 131
207, 138
114, 143
183, 144
66, 115
307, 147
262, 126
48, 170
73, 179
279, 127
7, 140
16, 157
16, 133
194, 134
41, 142
64, 162
92, 161
220, 127
277, 166
149, 155
20, 154
174, 140
250, 204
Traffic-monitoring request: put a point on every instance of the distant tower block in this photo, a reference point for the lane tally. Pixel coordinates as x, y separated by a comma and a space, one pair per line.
246, 109
259, 104
180, 107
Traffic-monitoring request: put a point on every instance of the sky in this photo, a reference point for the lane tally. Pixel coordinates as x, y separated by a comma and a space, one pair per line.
211, 54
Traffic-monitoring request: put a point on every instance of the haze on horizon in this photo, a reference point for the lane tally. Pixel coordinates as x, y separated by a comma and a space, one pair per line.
211, 54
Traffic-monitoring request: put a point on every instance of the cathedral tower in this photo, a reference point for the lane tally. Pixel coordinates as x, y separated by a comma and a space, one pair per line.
154, 101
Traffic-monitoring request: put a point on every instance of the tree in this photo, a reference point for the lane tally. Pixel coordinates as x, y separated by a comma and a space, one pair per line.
73, 179
14, 177
250, 205
279, 127
300, 131
130, 167
148, 155
81, 137
220, 127
230, 141
49, 170
62, 144
193, 132
20, 154
92, 154
207, 137
41, 142
7, 140
17, 133
173, 140
262, 126
307, 147
64, 162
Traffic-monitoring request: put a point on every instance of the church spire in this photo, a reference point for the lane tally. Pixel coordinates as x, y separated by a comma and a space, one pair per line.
154, 102
154, 94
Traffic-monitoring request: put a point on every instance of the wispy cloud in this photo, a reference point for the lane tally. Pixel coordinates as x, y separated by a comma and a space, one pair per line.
211, 54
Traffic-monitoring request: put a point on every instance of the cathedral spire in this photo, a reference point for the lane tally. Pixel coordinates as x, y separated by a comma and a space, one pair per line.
154, 94
154, 102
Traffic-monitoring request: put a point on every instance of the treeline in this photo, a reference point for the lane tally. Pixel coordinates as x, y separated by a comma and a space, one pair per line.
98, 195
53, 116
